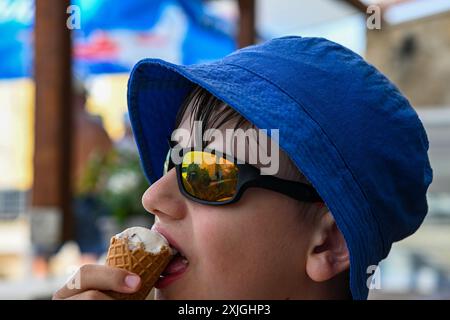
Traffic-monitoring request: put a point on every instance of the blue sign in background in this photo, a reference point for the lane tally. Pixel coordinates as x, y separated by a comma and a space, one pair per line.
116, 34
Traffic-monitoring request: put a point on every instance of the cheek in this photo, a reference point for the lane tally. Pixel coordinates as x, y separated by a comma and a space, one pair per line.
216, 238
228, 256
252, 242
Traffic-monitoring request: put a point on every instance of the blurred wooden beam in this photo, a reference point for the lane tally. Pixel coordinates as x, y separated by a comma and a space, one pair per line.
53, 113
357, 4
247, 27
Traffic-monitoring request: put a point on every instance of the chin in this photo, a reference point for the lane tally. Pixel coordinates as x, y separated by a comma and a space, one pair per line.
169, 294
159, 295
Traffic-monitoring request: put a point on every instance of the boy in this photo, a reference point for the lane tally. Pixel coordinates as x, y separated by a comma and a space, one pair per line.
351, 173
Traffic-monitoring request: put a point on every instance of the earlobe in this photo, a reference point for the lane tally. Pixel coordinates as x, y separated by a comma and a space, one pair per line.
328, 254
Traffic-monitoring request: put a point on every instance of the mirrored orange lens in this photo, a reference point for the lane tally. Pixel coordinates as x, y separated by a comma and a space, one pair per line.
209, 177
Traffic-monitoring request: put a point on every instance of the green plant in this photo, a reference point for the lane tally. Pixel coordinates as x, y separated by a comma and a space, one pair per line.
117, 181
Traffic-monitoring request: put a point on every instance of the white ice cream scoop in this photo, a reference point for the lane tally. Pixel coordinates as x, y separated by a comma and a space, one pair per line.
152, 241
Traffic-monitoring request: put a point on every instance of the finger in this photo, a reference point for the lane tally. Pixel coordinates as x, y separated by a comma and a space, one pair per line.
99, 277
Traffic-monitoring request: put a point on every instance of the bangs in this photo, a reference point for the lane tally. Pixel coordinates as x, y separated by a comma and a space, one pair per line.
212, 112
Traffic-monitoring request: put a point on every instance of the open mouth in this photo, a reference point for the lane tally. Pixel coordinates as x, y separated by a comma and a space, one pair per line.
174, 270
176, 265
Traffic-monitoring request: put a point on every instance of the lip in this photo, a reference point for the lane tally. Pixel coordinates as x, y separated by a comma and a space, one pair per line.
169, 278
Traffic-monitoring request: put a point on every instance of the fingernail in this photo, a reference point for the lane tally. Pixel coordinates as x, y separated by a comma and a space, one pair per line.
132, 281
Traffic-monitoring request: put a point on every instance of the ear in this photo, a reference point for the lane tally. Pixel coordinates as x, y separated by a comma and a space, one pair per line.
327, 254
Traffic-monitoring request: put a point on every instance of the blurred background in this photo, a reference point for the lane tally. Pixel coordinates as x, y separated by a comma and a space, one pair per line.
69, 170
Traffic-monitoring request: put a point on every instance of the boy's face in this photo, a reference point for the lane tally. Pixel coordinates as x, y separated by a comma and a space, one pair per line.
252, 249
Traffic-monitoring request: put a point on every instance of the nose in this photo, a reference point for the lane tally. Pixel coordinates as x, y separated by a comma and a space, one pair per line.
164, 199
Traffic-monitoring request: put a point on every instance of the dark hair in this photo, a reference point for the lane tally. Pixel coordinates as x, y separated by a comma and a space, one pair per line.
210, 110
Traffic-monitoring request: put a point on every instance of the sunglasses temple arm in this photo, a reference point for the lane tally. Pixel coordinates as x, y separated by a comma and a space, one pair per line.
293, 189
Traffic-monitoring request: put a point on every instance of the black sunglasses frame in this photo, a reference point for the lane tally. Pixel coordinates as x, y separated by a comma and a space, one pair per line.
248, 177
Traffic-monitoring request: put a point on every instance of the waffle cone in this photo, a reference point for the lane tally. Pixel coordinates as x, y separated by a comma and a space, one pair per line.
147, 265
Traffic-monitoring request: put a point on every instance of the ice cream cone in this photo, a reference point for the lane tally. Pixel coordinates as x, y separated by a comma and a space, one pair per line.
138, 258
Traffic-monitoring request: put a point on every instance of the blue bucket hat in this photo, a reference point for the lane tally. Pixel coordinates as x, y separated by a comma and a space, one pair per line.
346, 127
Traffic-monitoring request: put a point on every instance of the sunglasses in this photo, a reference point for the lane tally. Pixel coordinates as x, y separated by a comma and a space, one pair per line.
209, 177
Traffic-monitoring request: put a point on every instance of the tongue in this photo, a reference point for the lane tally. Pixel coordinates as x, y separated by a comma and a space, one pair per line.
177, 264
